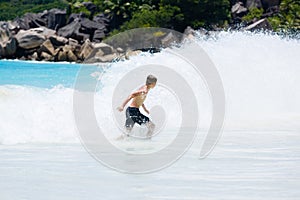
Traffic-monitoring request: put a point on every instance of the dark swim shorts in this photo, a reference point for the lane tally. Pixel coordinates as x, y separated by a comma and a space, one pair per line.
133, 115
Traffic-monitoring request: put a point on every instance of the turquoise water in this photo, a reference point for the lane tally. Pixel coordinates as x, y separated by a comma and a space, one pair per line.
42, 74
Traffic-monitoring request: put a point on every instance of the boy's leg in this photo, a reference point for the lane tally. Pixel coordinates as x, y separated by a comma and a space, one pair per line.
127, 134
128, 130
151, 126
129, 125
142, 119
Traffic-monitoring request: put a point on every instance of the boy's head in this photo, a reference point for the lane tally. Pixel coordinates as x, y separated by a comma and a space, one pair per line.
151, 81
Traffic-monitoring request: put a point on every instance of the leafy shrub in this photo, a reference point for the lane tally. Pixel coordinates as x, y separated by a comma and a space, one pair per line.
288, 18
254, 13
10, 9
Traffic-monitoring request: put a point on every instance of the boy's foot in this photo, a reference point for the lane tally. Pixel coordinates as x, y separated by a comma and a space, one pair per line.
122, 137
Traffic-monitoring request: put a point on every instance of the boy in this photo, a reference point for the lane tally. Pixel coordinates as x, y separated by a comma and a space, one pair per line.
133, 114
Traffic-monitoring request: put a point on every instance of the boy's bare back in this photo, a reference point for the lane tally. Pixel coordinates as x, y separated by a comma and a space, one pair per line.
139, 97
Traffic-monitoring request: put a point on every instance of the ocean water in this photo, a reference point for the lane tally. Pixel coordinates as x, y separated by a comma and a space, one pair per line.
257, 156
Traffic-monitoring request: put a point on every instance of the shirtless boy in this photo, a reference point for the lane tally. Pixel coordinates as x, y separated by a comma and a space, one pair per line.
133, 114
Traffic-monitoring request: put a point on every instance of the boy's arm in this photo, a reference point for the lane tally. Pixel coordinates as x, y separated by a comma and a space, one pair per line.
146, 110
121, 108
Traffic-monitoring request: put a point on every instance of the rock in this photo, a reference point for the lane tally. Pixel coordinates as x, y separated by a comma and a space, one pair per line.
56, 51
169, 39
53, 19
101, 33
47, 47
13, 26
86, 50
90, 7
90, 26
237, 12
130, 53
189, 31
72, 30
56, 18
24, 52
8, 48
99, 58
98, 36
9, 26
71, 56
105, 48
69, 30
67, 48
108, 58
62, 56
120, 50
65, 54
8, 44
101, 52
46, 56
260, 24
76, 16
101, 19
253, 4
96, 53
73, 42
238, 9
82, 28
29, 39
5, 34
58, 41
31, 20
23, 58
75, 46
34, 56
94, 29
43, 31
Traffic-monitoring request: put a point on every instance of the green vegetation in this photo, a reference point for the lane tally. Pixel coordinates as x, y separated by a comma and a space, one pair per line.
10, 9
174, 14
201, 13
288, 18
149, 17
254, 13
77, 7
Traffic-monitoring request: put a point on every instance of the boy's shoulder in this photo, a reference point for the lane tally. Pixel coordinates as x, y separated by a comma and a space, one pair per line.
141, 90
144, 89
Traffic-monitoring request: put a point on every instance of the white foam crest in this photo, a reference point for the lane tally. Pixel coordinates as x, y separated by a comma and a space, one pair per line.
36, 115
260, 73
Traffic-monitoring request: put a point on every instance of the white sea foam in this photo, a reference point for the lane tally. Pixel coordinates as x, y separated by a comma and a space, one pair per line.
260, 73
30, 115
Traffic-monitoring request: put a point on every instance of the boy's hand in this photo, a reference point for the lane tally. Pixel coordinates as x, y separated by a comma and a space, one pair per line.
120, 108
